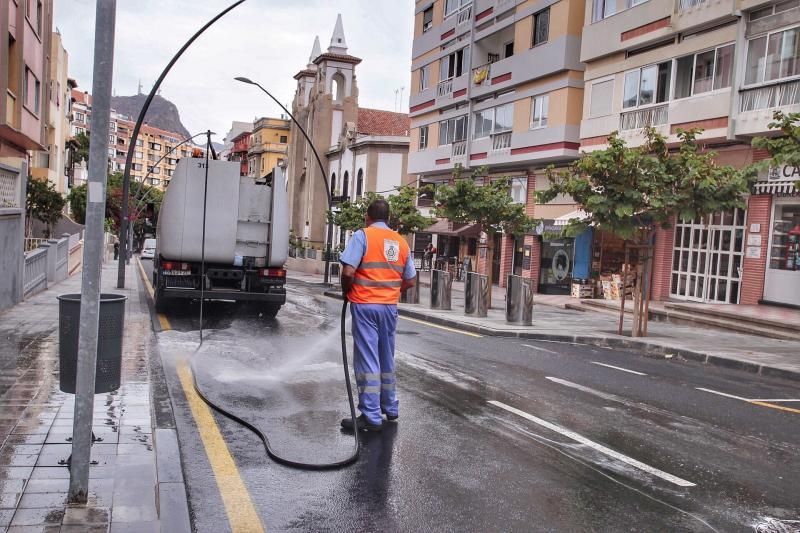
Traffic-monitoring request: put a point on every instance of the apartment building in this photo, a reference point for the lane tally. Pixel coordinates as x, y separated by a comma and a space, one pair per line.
724, 66
497, 84
24, 76
240, 144
53, 165
268, 145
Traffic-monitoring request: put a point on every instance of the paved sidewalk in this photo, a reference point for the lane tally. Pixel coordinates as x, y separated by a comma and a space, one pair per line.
127, 484
750, 353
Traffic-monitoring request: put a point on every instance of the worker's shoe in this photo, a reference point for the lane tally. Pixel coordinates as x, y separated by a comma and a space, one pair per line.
390, 418
362, 423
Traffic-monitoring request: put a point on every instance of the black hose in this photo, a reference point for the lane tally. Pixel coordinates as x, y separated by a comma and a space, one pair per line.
277, 458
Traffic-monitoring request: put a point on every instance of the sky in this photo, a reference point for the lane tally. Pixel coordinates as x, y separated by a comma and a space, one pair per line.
268, 41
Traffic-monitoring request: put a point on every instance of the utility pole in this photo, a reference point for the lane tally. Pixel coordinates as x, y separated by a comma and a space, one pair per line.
92, 251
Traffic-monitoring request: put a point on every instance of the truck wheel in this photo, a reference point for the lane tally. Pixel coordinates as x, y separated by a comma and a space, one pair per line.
270, 310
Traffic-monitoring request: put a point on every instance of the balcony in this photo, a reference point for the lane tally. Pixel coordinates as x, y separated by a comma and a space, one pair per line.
444, 88
501, 143
685, 5
464, 16
757, 105
644, 118
482, 75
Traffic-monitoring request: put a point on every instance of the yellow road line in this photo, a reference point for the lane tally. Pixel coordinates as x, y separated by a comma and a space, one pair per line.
773, 406
241, 511
162, 320
441, 327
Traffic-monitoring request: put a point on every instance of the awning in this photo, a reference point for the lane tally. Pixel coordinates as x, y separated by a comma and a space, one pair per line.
552, 211
445, 227
563, 220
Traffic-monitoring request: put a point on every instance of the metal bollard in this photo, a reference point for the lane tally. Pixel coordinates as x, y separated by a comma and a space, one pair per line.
441, 285
411, 296
519, 300
476, 294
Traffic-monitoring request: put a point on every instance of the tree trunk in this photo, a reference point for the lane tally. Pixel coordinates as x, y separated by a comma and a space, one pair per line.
489, 264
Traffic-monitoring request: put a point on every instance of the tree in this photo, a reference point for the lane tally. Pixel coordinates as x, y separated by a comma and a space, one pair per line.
784, 150
489, 204
77, 203
404, 216
43, 203
82, 149
631, 192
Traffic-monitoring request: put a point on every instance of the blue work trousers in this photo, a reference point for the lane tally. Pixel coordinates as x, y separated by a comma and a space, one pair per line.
374, 327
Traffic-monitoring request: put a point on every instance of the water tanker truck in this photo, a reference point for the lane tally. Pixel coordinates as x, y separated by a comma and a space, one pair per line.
246, 236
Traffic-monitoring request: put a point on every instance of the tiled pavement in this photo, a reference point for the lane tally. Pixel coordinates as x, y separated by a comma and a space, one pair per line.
36, 424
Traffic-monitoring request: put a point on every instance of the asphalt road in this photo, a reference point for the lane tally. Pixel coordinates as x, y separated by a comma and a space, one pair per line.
494, 434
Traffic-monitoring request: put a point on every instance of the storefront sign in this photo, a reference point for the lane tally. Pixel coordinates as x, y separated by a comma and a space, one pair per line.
753, 252
754, 240
560, 265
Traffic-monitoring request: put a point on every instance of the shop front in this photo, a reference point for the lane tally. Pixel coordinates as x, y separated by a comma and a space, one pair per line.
782, 277
563, 259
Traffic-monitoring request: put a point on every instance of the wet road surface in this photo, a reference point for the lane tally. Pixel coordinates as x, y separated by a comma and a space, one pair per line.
494, 434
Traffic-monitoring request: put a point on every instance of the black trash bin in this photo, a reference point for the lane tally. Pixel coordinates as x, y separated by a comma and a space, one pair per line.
109, 341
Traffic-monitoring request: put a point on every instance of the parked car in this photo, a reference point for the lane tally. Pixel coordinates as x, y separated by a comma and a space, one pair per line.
149, 249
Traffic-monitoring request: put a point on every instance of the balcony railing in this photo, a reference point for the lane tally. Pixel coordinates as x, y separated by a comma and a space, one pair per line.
778, 95
482, 75
689, 4
459, 150
444, 88
501, 143
464, 15
644, 118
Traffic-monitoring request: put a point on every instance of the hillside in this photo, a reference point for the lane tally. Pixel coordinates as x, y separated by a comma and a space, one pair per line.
162, 113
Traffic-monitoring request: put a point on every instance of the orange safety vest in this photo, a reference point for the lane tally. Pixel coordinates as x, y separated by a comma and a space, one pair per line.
380, 275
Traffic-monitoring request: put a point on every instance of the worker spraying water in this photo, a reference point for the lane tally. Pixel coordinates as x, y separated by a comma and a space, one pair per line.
377, 268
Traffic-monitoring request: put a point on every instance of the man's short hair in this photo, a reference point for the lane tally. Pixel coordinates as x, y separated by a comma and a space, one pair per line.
378, 210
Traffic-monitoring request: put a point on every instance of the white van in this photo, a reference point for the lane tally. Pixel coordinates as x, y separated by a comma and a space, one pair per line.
149, 249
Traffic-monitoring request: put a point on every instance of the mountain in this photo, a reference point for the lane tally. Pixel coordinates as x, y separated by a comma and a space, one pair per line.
162, 113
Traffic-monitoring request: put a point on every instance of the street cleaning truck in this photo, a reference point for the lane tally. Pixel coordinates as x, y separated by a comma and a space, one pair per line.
246, 236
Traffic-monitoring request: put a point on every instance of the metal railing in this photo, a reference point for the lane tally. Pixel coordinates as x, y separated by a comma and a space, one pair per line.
643, 118
501, 143
444, 88
9, 188
464, 15
482, 75
689, 4
35, 277
776, 95
458, 150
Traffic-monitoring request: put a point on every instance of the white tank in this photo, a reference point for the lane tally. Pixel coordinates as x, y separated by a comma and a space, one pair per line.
239, 216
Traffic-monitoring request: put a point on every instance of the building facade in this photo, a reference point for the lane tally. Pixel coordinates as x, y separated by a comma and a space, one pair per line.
496, 85
238, 152
268, 145
361, 149
723, 66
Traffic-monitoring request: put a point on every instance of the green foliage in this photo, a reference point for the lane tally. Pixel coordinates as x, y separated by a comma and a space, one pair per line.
44, 203
82, 150
404, 216
77, 203
785, 150
488, 204
631, 191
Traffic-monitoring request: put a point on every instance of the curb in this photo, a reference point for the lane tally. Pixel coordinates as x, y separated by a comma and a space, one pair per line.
649, 349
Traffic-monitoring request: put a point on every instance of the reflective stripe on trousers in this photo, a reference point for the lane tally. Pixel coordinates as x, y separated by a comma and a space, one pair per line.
374, 327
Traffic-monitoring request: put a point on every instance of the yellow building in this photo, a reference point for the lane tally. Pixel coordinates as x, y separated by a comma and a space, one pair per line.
269, 144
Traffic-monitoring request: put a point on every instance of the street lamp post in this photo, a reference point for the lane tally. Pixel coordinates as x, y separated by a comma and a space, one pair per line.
329, 236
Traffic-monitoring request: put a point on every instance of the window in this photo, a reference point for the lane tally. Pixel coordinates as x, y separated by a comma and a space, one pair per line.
601, 97
333, 184
602, 9
451, 6
155, 146
519, 190
284, 139
633, 3
140, 143
785, 252
39, 17
453, 130
423, 137
346, 184
541, 26
138, 155
360, 182
112, 126
539, 107
647, 85
773, 56
79, 117
111, 138
424, 77
508, 50
703, 72
495, 120
777, 8
427, 19
454, 65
